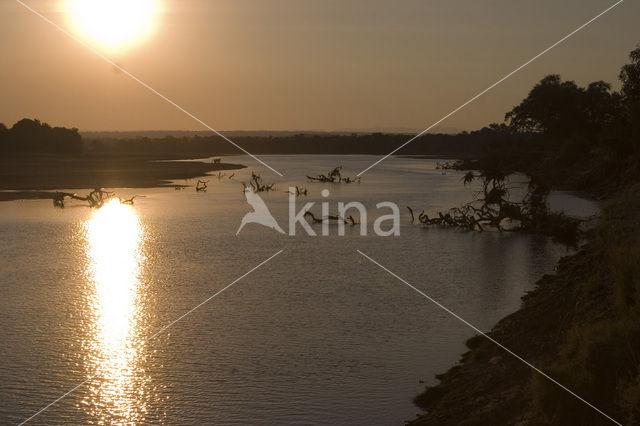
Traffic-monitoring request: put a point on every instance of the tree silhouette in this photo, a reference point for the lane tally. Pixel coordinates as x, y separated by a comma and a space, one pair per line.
630, 77
601, 107
562, 109
4, 138
552, 107
33, 136
630, 119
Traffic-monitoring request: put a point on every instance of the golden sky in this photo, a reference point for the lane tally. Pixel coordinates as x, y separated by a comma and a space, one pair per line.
306, 64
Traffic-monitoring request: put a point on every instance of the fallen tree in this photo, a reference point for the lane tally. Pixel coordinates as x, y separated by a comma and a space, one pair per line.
95, 198
493, 209
334, 176
257, 185
299, 191
349, 220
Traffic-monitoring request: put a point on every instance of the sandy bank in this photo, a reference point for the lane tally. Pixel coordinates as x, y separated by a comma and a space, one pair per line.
28, 177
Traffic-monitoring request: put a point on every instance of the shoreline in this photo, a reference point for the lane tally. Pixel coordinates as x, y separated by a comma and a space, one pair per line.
38, 177
561, 317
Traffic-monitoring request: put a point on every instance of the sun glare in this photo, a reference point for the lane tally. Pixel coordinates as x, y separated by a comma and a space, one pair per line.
114, 238
113, 25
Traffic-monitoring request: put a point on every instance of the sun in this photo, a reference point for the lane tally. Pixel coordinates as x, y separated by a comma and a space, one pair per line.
113, 25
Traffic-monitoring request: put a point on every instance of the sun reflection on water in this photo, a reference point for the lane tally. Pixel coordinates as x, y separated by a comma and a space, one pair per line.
114, 238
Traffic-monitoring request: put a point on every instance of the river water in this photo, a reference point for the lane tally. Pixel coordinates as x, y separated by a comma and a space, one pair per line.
318, 335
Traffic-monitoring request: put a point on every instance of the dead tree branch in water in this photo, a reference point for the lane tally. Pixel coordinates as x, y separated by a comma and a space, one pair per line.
334, 176
314, 219
349, 220
201, 186
352, 221
128, 201
299, 191
95, 198
413, 218
492, 209
257, 185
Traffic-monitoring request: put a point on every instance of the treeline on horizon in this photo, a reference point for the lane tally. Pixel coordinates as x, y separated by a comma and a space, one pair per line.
558, 119
33, 136
463, 144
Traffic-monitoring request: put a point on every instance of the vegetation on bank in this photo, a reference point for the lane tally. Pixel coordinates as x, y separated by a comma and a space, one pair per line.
582, 324
32, 136
584, 138
599, 357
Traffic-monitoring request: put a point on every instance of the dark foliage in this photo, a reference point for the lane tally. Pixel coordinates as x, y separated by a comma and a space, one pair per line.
32, 136
559, 108
580, 138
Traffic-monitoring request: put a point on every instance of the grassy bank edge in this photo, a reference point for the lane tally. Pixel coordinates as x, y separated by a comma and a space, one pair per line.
580, 325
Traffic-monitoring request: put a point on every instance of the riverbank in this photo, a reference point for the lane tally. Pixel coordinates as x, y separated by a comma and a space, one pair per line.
29, 177
580, 326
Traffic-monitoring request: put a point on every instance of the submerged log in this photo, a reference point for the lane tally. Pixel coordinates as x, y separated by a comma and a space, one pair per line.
349, 220
128, 201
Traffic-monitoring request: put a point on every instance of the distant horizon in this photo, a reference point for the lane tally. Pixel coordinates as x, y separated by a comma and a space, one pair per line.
391, 130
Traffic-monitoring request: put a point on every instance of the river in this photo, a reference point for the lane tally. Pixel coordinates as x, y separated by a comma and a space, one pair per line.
318, 335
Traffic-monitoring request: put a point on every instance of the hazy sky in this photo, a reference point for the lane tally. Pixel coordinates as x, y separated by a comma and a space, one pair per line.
308, 64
